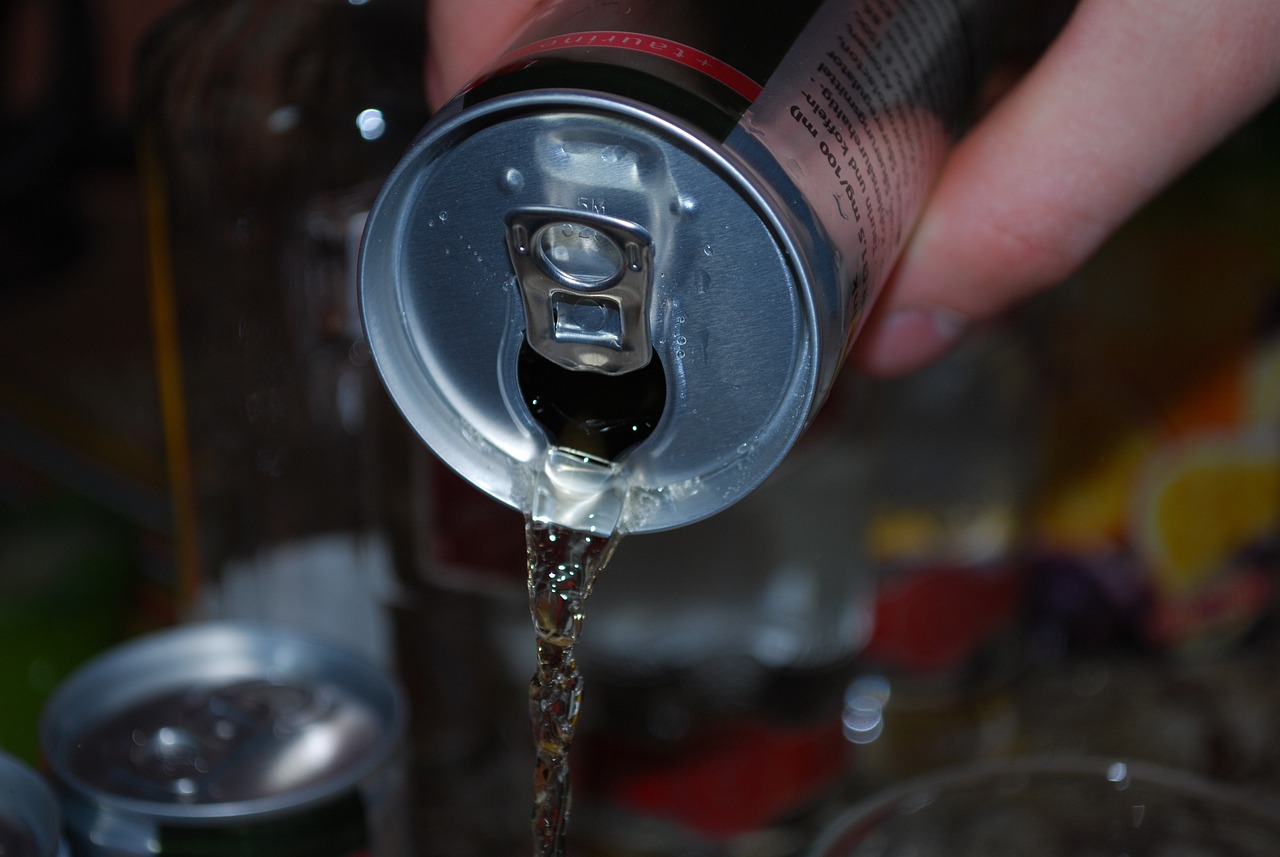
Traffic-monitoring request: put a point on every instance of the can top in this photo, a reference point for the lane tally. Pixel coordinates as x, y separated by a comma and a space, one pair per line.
594, 230
30, 823
220, 720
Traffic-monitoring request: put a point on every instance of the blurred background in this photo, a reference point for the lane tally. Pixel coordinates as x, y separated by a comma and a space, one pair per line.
85, 522
1063, 538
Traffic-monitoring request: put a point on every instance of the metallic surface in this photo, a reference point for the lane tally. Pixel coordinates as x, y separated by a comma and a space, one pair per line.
30, 823
215, 723
737, 349
585, 281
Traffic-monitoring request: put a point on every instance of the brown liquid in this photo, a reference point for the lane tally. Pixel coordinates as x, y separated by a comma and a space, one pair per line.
600, 415
563, 564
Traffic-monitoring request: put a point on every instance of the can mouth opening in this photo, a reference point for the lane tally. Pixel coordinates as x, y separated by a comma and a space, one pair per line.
602, 416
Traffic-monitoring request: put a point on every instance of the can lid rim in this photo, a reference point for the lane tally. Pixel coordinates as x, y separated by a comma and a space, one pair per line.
30, 803
177, 656
497, 467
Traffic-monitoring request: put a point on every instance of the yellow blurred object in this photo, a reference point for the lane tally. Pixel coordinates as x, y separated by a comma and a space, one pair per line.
1087, 509
972, 534
1204, 503
899, 533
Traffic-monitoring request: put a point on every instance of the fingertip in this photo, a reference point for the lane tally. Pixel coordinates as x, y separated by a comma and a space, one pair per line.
907, 338
434, 84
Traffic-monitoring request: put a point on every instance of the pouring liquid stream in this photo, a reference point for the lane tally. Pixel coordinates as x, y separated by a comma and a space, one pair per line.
570, 534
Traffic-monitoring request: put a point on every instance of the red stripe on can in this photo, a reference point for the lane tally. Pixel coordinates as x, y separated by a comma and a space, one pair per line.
675, 51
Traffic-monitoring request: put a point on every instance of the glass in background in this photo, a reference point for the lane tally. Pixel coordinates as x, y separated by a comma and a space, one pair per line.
737, 684
1148, 618
954, 447
716, 658
1156, 551
266, 128
1056, 807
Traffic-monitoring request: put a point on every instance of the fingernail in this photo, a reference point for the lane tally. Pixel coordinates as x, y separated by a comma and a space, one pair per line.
906, 339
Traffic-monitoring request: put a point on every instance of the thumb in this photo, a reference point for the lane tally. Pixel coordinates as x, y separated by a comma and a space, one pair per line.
464, 36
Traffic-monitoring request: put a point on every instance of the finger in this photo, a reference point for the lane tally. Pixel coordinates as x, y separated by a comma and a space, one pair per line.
1129, 95
464, 36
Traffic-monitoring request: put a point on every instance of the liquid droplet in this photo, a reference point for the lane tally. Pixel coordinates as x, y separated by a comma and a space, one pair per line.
684, 204
701, 281
371, 123
512, 180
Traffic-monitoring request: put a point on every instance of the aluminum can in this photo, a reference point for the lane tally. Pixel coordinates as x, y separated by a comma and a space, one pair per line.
30, 823
222, 738
691, 202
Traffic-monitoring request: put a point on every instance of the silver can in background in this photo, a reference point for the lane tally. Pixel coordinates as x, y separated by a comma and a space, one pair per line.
221, 738
30, 823
651, 230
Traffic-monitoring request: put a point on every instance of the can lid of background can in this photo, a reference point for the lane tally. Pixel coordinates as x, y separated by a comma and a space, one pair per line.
30, 823
730, 316
217, 721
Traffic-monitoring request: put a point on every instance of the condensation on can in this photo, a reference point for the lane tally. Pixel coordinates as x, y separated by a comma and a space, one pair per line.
759, 188
30, 821
218, 738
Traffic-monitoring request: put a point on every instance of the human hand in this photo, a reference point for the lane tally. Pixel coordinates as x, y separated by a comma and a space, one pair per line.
464, 36
1130, 94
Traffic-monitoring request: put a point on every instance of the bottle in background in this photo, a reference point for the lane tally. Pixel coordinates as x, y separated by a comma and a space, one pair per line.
953, 447
265, 130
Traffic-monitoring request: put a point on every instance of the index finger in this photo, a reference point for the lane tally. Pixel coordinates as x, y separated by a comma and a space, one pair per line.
1130, 94
464, 36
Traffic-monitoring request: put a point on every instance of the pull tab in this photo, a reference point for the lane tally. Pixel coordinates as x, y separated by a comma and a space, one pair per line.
585, 279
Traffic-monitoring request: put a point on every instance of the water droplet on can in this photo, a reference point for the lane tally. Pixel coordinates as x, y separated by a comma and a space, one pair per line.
684, 204
512, 180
